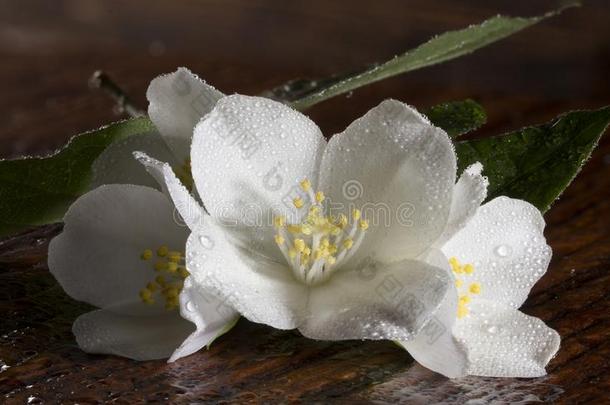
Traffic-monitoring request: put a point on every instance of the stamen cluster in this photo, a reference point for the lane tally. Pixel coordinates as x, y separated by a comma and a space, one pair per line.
169, 282
320, 243
464, 291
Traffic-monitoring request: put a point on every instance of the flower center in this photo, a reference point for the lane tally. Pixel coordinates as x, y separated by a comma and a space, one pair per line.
319, 244
465, 285
171, 270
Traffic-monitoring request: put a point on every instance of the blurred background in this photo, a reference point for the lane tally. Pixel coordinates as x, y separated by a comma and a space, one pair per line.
48, 50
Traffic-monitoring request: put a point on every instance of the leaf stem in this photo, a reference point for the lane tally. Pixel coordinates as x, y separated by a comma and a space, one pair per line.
101, 80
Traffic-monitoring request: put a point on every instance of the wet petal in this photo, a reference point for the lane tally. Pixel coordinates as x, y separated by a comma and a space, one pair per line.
375, 302
468, 194
136, 337
261, 290
190, 210
209, 314
96, 258
400, 171
504, 342
177, 101
505, 243
435, 347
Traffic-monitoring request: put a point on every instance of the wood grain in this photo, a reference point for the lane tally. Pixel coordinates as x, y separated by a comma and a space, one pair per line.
48, 50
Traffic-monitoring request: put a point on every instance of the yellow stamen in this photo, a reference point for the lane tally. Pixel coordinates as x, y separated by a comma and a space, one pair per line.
162, 251
279, 221
299, 245
348, 243
174, 256
356, 214
475, 288
306, 185
294, 228
364, 224
462, 311
146, 255
170, 292
464, 299
279, 239
160, 280
319, 197
298, 202
172, 267
161, 265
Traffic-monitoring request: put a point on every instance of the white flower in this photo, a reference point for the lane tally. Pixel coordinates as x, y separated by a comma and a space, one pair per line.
371, 237
497, 253
177, 101
122, 248
329, 238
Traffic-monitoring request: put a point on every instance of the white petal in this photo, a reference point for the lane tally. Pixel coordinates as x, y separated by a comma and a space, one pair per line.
189, 209
136, 337
177, 101
504, 342
505, 243
209, 314
435, 347
261, 290
115, 165
376, 301
468, 194
400, 171
96, 258
249, 156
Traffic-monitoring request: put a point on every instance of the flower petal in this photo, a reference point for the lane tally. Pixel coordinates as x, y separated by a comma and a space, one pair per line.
177, 101
435, 347
400, 171
187, 206
96, 258
115, 165
209, 314
375, 302
250, 154
468, 194
504, 342
505, 243
136, 337
261, 290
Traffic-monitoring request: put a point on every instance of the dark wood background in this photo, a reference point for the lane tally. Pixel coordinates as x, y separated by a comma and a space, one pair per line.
48, 49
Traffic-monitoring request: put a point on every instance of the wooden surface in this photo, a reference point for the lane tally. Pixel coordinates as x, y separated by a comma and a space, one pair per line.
48, 50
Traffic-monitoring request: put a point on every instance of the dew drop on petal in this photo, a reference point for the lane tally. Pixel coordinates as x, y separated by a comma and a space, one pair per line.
206, 242
503, 250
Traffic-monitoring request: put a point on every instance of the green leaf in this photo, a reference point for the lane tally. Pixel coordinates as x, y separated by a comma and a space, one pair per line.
39, 190
536, 164
444, 47
457, 117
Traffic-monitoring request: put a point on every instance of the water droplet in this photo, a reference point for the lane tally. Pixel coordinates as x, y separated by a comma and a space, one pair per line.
492, 329
206, 242
190, 306
503, 250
